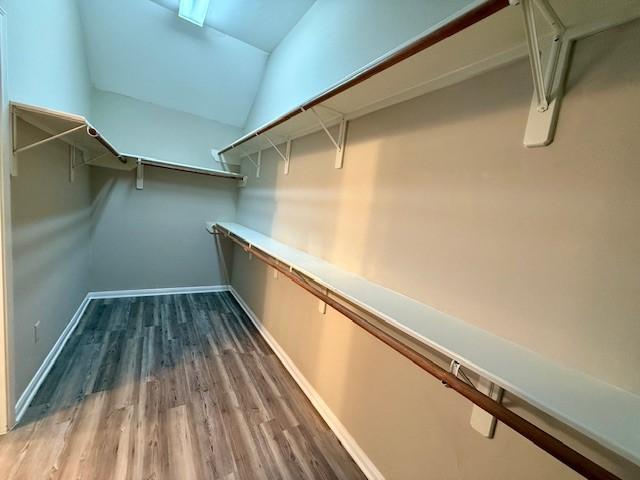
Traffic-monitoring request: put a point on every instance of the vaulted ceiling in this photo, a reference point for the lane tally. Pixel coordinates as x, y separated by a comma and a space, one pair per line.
142, 49
261, 23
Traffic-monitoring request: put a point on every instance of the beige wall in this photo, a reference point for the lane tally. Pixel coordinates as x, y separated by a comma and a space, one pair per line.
51, 234
439, 200
156, 238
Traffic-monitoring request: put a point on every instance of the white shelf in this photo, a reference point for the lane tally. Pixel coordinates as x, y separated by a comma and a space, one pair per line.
606, 413
97, 150
432, 63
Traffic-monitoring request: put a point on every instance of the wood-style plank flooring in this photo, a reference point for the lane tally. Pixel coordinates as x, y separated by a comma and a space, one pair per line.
173, 387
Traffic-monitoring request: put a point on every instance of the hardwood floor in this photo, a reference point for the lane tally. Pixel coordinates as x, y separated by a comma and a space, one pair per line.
171, 387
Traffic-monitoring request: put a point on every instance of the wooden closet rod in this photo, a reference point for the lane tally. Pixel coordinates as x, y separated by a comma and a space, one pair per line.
539, 437
489, 7
190, 170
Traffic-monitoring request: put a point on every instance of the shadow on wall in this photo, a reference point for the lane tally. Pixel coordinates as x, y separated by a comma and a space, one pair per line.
50, 236
438, 199
533, 245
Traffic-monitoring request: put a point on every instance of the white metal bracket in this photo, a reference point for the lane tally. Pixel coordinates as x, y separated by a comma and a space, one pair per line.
16, 149
72, 163
222, 159
322, 306
217, 156
257, 163
481, 421
287, 160
339, 142
285, 156
140, 175
14, 138
548, 85
243, 182
46, 140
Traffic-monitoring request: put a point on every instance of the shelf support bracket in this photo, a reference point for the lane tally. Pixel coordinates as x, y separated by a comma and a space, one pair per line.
257, 163
72, 163
16, 149
285, 156
547, 84
337, 142
140, 175
481, 421
322, 306
221, 159
14, 138
46, 140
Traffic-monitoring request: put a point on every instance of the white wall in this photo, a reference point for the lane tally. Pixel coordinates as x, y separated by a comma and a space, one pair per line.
146, 129
156, 237
143, 50
47, 61
51, 234
333, 40
47, 67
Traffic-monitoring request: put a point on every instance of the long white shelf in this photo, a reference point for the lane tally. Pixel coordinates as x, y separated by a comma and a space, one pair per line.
98, 151
75, 130
604, 412
478, 38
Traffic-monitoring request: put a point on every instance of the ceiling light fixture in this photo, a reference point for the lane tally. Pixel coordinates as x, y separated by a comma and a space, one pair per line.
194, 11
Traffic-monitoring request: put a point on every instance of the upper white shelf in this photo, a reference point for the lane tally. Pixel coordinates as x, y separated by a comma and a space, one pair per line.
601, 411
481, 37
75, 130
72, 129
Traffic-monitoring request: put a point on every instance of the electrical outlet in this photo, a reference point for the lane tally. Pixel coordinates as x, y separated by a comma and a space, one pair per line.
36, 333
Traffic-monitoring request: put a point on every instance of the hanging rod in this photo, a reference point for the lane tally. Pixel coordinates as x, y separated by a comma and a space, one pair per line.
547, 442
142, 161
95, 134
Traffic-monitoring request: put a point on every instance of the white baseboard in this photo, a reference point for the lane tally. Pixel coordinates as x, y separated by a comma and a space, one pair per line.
35, 383
348, 442
149, 292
